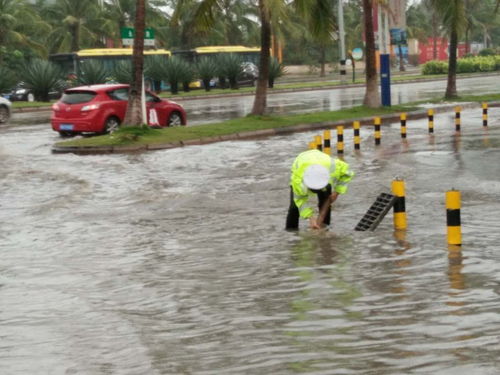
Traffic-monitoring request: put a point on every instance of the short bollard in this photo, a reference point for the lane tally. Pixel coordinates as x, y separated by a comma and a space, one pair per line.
485, 114
399, 208
430, 116
319, 142
327, 142
340, 139
457, 118
377, 123
453, 217
357, 140
312, 145
403, 125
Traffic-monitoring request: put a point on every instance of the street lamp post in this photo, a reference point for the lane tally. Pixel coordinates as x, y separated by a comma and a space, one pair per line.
341, 42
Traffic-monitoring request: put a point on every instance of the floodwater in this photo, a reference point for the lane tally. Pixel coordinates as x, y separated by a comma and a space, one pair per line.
176, 261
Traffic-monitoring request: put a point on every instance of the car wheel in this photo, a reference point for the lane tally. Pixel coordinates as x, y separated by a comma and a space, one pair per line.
175, 119
4, 114
112, 124
30, 97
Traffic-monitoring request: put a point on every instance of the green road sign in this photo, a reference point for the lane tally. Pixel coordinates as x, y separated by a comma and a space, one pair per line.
128, 34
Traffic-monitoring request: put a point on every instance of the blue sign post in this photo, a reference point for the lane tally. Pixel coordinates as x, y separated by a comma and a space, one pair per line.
385, 79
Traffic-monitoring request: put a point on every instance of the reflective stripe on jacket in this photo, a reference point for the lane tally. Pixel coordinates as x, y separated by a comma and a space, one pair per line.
340, 175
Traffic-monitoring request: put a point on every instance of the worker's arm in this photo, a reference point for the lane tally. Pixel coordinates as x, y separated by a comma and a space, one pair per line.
317, 223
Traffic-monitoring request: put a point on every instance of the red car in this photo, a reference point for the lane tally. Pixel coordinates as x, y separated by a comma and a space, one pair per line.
101, 109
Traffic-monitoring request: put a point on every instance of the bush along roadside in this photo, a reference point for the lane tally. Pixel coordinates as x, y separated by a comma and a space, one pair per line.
466, 65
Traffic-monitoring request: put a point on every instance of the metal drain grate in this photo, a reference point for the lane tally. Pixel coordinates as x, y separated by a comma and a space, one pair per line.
376, 212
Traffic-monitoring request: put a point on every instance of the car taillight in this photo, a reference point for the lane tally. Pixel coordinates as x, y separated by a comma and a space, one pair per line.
55, 107
90, 107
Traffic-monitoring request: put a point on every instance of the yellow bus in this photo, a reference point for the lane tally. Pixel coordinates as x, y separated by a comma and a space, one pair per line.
109, 57
247, 54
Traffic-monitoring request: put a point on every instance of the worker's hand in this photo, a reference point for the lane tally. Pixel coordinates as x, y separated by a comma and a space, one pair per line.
313, 223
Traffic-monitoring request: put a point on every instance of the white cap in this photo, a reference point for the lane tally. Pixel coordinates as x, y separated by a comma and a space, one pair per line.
316, 176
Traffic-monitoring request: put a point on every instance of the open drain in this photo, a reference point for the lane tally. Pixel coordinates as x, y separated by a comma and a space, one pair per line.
376, 212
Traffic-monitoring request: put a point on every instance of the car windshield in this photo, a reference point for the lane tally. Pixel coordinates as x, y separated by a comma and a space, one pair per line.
119, 94
77, 97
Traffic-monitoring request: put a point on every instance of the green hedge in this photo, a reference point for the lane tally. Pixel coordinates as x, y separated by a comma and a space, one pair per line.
465, 65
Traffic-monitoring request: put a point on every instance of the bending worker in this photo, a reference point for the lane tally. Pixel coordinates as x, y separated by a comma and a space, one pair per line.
315, 173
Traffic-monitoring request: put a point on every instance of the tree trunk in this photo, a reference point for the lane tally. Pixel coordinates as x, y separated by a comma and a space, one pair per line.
134, 114
401, 59
75, 37
322, 61
434, 36
372, 96
260, 101
451, 87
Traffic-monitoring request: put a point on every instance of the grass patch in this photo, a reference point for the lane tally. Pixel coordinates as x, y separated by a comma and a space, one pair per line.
127, 136
144, 135
31, 104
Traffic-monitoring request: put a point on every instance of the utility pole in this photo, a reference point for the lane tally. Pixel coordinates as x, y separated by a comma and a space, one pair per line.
341, 42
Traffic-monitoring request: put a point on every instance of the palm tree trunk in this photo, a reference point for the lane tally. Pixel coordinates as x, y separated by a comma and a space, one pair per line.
134, 113
75, 37
451, 87
260, 101
322, 61
372, 96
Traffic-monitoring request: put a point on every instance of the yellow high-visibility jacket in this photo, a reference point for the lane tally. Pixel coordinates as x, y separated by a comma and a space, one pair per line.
340, 175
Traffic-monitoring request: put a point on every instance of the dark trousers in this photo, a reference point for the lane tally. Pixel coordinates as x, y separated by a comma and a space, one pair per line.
292, 218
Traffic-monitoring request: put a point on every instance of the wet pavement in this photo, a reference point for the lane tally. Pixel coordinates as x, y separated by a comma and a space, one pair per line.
176, 261
202, 111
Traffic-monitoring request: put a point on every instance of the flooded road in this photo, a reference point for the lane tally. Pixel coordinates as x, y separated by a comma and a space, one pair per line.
176, 261
203, 111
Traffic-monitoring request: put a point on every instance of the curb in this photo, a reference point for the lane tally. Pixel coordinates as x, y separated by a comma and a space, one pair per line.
264, 133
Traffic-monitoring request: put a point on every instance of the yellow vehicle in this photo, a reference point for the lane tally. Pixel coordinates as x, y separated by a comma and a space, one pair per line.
247, 54
70, 62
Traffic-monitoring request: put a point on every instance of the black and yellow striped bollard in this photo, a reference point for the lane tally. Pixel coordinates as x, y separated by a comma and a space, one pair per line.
402, 118
340, 139
377, 122
430, 116
453, 223
327, 148
457, 118
357, 139
399, 208
485, 114
319, 142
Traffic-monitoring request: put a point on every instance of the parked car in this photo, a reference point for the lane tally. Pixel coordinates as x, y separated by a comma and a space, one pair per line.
25, 94
5, 106
101, 109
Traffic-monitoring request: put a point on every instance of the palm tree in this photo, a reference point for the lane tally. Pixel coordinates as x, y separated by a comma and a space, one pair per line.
19, 25
70, 19
454, 21
134, 115
372, 96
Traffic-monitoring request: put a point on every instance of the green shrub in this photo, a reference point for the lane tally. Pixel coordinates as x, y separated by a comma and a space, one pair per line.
487, 52
276, 70
435, 67
42, 77
465, 65
122, 72
206, 70
230, 67
91, 73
